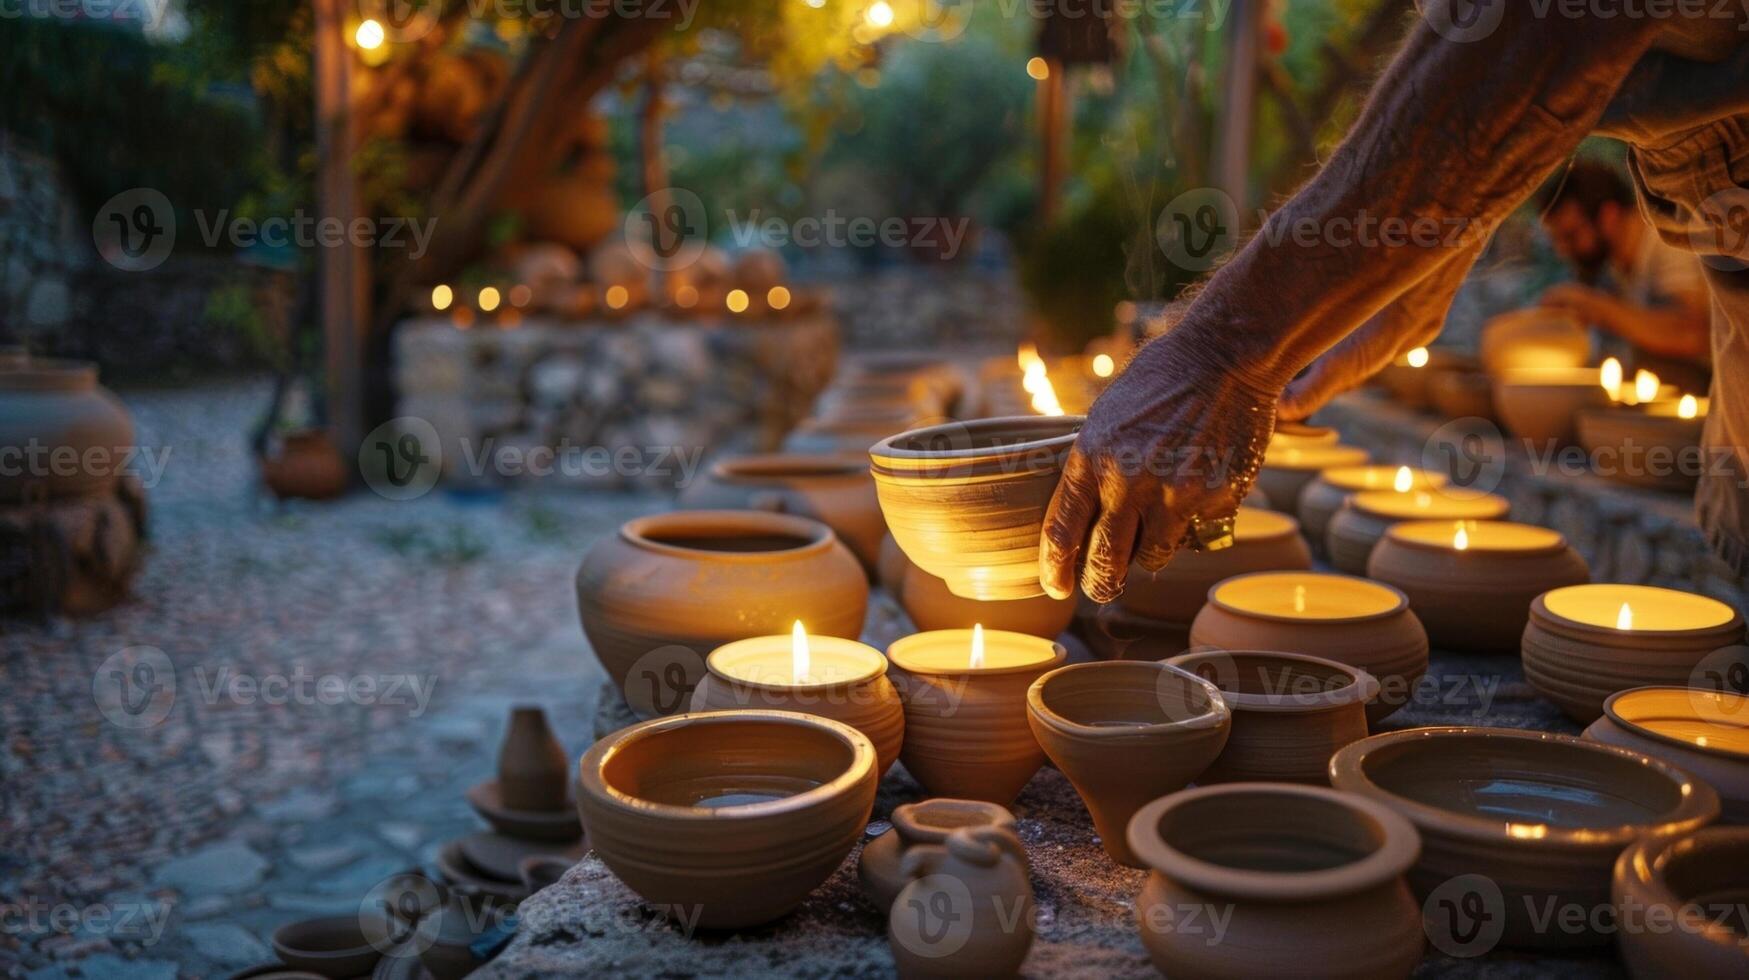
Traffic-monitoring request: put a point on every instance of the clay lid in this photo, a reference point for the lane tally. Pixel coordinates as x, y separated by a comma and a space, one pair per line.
713, 535
1691, 718
1328, 597
1268, 681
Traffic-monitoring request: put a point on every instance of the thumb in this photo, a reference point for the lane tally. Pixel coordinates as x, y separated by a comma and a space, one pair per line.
1311, 391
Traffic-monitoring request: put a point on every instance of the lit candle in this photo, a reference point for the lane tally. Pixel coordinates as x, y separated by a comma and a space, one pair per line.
1357, 527
1645, 386
1323, 497
1609, 376
1288, 469
1291, 435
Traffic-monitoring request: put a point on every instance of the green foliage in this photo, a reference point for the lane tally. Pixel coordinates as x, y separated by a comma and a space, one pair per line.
232, 309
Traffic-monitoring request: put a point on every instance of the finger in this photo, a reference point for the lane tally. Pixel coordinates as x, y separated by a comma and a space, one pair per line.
1311, 391
1154, 549
1071, 511
1167, 530
1108, 552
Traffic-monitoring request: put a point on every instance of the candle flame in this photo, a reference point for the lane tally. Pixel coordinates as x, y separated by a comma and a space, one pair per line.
1609, 376
1645, 385
1624, 620
1405, 480
1418, 357
1037, 382
798, 653
1461, 540
1299, 598
977, 661
1103, 365
1687, 408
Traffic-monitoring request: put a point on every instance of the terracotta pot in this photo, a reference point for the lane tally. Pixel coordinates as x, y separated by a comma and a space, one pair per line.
1126, 732
881, 867
879, 397
1705, 732
1462, 394
966, 500
534, 825
1291, 712
306, 466
1672, 893
848, 434
1326, 494
1262, 541
966, 731
1310, 880
1542, 407
1574, 660
1478, 598
1540, 814
333, 946
657, 597
1349, 620
1286, 472
49, 409
531, 764
1361, 523
891, 566
932, 607
835, 490
967, 910
1643, 448
1113, 633
448, 939
937, 373
1533, 340
732, 816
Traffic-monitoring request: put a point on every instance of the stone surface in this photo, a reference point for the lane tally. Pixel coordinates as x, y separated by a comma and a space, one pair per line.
220, 869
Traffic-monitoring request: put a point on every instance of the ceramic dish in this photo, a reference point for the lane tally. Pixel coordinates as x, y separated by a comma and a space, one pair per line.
1542, 407
1682, 899
555, 825
1704, 732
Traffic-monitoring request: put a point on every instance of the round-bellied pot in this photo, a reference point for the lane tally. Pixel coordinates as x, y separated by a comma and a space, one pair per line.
1310, 881
848, 434
1324, 496
967, 909
1475, 597
1649, 446
1286, 471
1338, 617
1705, 732
1576, 655
1681, 901
1541, 815
833, 489
1462, 394
966, 500
49, 410
1126, 732
1361, 522
1291, 712
305, 466
657, 597
729, 816
1263, 540
932, 606
1542, 407
1113, 633
1533, 340
925, 822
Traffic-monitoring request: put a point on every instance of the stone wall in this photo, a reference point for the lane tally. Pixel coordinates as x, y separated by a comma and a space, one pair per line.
930, 307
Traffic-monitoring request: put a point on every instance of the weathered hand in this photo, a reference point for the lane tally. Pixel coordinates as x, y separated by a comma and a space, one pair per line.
1354, 359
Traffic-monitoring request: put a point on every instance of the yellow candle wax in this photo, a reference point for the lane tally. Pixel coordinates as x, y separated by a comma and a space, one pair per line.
1382, 477
1314, 457
1637, 608
1478, 536
973, 651
778, 661
1306, 596
1450, 503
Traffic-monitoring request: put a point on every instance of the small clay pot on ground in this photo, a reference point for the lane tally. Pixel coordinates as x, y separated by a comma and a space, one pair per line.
1705, 732
1681, 884
932, 606
305, 466
1286, 472
58, 406
333, 946
1262, 541
967, 909
532, 768
835, 490
1324, 496
1361, 523
1653, 450
881, 867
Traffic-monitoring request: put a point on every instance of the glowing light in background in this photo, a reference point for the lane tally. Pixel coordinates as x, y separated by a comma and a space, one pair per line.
879, 14
777, 297
489, 299
1038, 68
1103, 365
441, 297
1418, 357
1405, 480
736, 301
1609, 376
370, 35
1687, 408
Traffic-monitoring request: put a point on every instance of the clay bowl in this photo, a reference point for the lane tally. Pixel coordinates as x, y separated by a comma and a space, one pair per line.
966, 500
1286, 471
926, 822
863, 698
1362, 522
1532, 340
1673, 890
540, 825
480, 884
1705, 732
932, 606
1478, 598
1324, 496
1113, 633
734, 816
1124, 733
1310, 880
333, 946
1263, 540
665, 591
1543, 815
1338, 617
870, 395
1574, 656
1542, 407
1462, 394
835, 490
1643, 447
849, 433
1291, 712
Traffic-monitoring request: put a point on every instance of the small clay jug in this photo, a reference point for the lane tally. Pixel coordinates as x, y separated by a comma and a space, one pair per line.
968, 908
532, 770
881, 867
306, 466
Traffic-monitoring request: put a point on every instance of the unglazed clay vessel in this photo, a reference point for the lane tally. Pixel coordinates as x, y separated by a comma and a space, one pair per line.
660, 595
881, 867
1338, 617
732, 816
967, 910
932, 607
532, 767
1286, 471
1462, 394
1363, 520
305, 465
1113, 633
1705, 732
849, 434
937, 374
966, 500
1682, 898
1476, 598
1263, 541
1124, 733
1534, 340
835, 490
58, 406
1411, 386
1578, 664
1647, 446
1291, 712
1542, 407
333, 946
1324, 496
542, 825
1310, 882
1542, 815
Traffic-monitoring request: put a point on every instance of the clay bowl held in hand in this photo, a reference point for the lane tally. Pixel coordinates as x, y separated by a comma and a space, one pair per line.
1263, 540
1462, 394
835, 490
1310, 881
1541, 815
1124, 733
1286, 471
1475, 597
966, 500
1705, 732
1358, 526
734, 816
1324, 496
1542, 407
1684, 897
1291, 713
660, 595
1576, 654
541, 825
333, 946
1649, 447
932, 607
926, 822
1338, 617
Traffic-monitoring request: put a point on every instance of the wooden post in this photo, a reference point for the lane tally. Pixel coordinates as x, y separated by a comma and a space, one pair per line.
1052, 120
343, 270
1234, 123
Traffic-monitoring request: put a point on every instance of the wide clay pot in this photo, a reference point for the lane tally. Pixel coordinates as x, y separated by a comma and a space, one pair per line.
532, 768
1291, 713
729, 816
330, 946
968, 908
1542, 407
835, 490
660, 595
1532, 340
1309, 881
1681, 900
1324, 496
1705, 732
53, 411
1263, 540
966, 500
1113, 633
305, 466
932, 606
1286, 471
1363, 520
1643, 447
850, 434
1574, 660
1539, 816
1462, 394
881, 867
1476, 598
1124, 733
1338, 617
